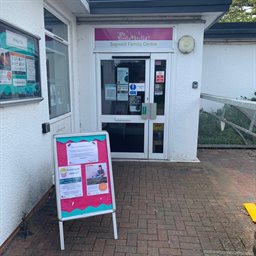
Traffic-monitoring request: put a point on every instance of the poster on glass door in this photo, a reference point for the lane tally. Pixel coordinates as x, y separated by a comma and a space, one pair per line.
110, 91
122, 92
135, 104
160, 77
122, 75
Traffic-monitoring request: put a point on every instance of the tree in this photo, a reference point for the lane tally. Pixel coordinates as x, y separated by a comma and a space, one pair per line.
241, 11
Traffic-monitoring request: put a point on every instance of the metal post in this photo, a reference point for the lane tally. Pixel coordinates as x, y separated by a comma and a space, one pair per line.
114, 225
61, 230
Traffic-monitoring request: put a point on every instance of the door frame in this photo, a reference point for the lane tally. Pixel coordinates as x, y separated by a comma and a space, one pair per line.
149, 96
160, 119
123, 119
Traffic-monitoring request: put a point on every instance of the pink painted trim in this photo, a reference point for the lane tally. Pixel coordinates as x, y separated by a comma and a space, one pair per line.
139, 34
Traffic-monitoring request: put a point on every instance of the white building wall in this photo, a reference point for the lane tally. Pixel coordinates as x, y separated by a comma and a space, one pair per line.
87, 79
184, 101
25, 166
25, 153
228, 70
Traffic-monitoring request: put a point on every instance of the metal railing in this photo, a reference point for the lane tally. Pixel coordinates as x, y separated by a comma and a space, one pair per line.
246, 107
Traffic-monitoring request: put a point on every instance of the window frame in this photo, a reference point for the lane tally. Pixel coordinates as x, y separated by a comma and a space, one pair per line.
68, 44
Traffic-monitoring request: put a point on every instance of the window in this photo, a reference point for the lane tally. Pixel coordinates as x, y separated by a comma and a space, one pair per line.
57, 63
55, 26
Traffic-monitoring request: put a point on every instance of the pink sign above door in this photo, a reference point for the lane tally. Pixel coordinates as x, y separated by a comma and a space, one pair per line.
140, 34
133, 39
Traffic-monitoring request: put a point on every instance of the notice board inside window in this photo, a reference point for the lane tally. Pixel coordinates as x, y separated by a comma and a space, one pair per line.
19, 65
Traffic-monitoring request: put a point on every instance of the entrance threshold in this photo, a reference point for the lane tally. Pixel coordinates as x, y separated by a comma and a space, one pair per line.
153, 160
140, 160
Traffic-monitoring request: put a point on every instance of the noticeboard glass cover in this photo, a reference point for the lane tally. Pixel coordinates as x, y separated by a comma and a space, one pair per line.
19, 64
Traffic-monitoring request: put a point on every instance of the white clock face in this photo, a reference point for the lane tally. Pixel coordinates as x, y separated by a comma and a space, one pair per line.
186, 44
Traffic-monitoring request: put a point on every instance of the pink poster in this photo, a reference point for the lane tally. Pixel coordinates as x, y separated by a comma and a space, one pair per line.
84, 175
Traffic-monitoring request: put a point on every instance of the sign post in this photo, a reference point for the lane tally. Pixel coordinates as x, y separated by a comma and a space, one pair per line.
83, 178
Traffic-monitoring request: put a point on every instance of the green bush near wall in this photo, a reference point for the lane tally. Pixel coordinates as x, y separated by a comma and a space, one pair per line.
210, 130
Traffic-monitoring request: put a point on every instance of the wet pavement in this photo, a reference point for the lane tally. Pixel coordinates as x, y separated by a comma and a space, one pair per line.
162, 209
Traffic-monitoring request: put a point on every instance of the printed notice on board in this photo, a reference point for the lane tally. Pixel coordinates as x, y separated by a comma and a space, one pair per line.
97, 179
82, 152
31, 69
5, 77
70, 182
18, 63
4, 59
19, 82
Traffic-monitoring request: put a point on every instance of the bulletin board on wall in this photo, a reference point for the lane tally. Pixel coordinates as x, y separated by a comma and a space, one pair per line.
19, 65
83, 177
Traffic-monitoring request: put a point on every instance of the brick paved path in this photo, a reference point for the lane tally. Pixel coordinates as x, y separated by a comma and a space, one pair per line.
162, 209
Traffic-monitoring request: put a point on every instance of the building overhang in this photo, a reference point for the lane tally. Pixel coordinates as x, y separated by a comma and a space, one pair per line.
77, 7
231, 32
157, 6
147, 11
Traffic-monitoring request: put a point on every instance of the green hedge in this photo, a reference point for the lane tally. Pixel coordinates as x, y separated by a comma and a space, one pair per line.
210, 131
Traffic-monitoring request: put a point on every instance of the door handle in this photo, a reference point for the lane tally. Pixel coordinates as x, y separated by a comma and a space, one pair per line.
127, 119
145, 111
153, 107
148, 111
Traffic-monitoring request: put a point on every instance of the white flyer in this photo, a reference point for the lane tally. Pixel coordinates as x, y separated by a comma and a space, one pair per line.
122, 75
31, 70
19, 82
70, 182
82, 152
16, 40
18, 62
122, 92
110, 91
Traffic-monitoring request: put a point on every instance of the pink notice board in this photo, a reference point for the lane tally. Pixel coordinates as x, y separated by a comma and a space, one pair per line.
83, 175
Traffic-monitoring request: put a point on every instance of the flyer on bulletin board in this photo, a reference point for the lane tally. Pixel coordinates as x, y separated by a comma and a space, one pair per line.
83, 173
70, 182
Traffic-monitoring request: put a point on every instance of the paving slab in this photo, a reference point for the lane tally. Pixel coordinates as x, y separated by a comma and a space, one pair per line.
162, 209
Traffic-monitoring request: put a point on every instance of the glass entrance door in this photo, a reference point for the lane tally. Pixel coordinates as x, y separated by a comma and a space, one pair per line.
132, 104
